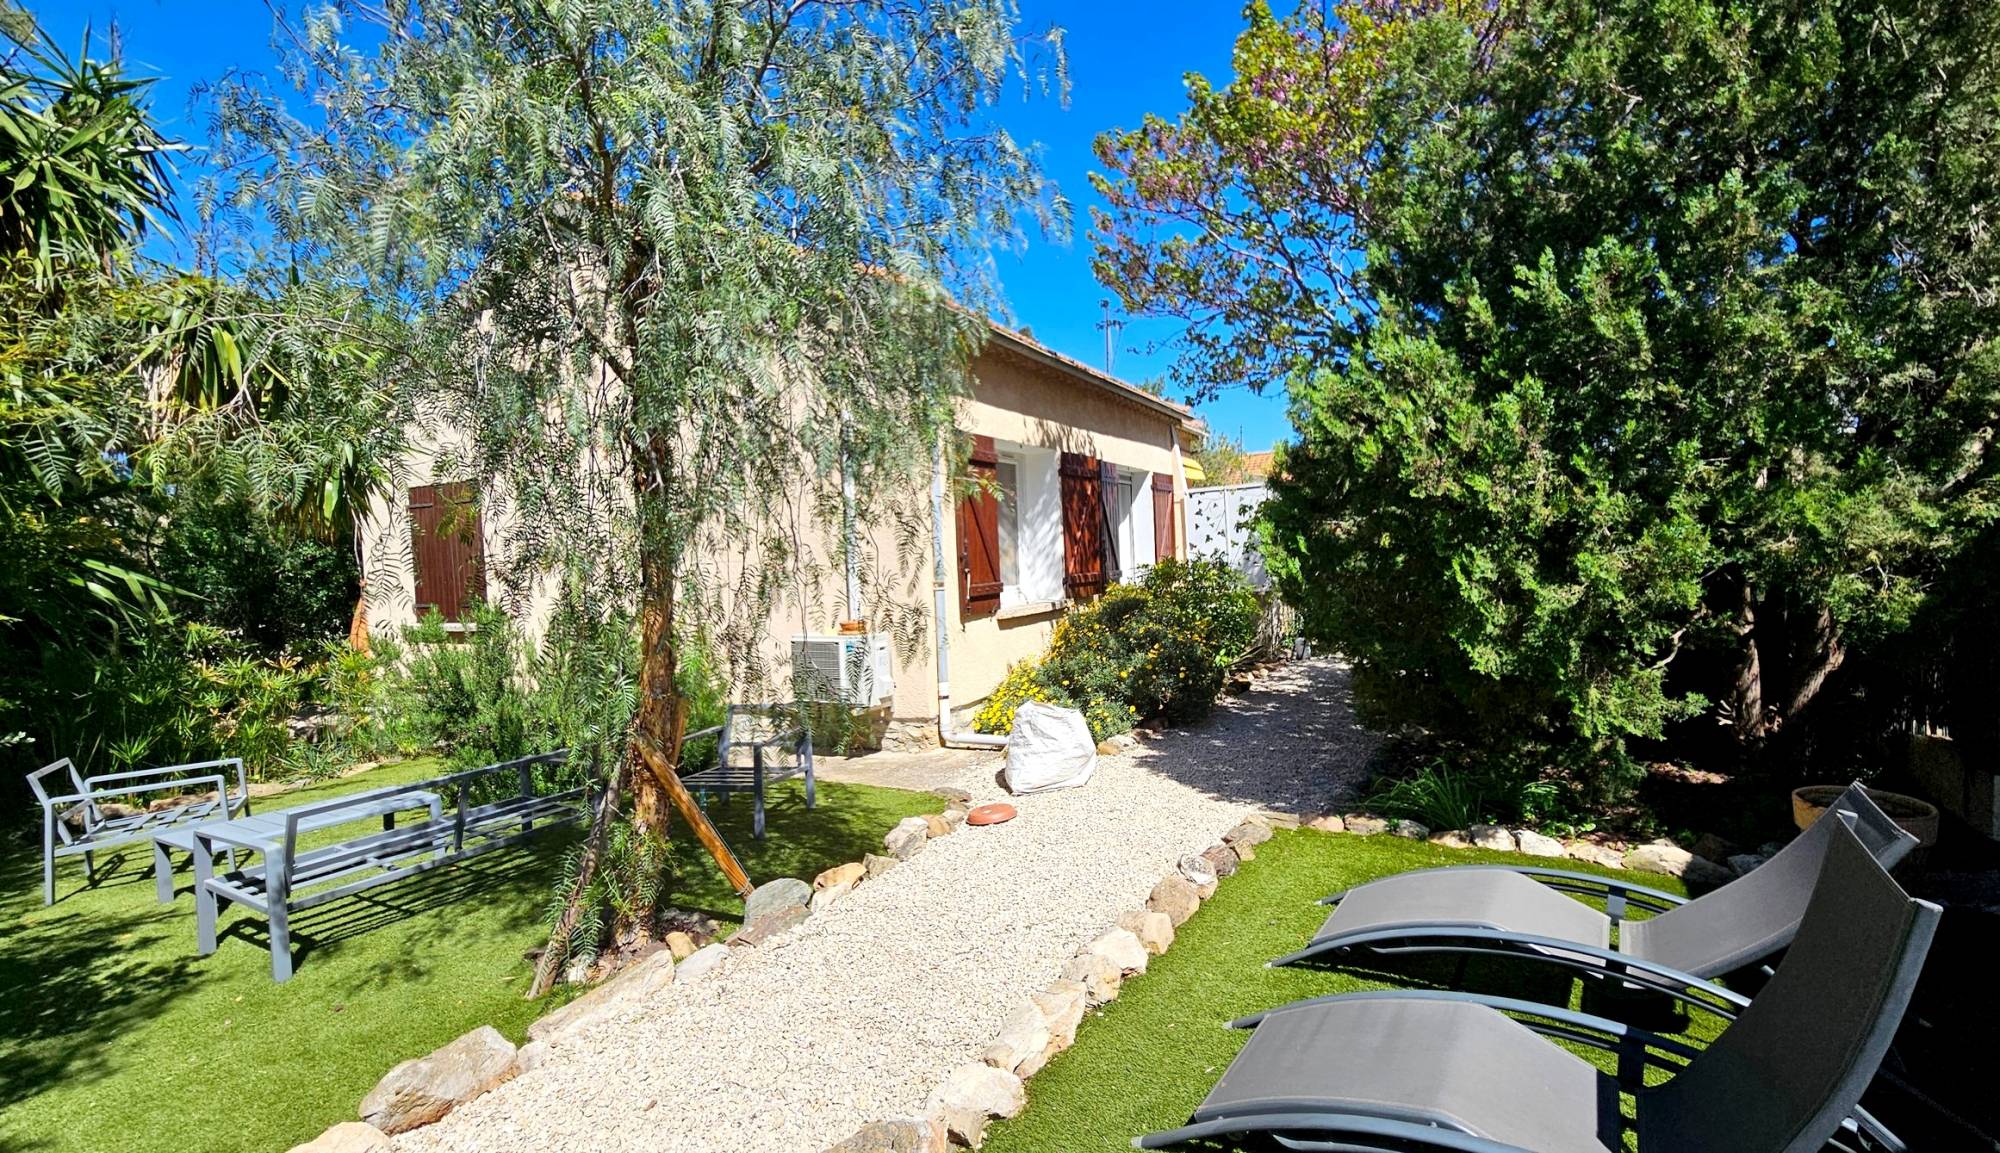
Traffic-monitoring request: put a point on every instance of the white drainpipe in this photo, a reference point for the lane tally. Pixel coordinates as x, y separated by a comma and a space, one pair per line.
947, 735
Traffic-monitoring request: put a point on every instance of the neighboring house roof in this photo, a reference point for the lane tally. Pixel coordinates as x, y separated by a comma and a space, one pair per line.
1257, 465
1021, 344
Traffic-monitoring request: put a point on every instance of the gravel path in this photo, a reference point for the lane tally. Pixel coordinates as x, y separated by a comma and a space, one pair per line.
862, 1010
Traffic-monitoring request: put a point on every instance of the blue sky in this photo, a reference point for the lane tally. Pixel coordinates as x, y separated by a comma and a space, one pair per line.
1125, 60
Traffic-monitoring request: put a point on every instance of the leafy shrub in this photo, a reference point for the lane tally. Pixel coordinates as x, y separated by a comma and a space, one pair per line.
1160, 647
1467, 787
261, 578
1433, 795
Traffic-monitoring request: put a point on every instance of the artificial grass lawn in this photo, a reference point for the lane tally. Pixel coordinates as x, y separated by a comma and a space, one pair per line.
114, 1035
1144, 1062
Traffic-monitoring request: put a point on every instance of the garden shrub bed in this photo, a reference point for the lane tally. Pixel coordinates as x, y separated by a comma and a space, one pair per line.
1160, 647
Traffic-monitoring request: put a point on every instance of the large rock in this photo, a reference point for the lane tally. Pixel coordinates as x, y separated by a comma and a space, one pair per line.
1278, 818
1492, 837
703, 962
1363, 825
419, 1092
1122, 948
954, 795
1099, 977
1062, 1005
1411, 830
1252, 831
1176, 897
680, 945
1197, 870
952, 817
1328, 823
1451, 839
849, 874
907, 839
1223, 858
530, 1056
937, 826
775, 897
1714, 847
1742, 863
1538, 844
1023, 1045
1244, 853
875, 864
1154, 930
824, 897
639, 979
971, 1096
771, 925
1662, 857
1702, 873
894, 1137
348, 1137
1595, 853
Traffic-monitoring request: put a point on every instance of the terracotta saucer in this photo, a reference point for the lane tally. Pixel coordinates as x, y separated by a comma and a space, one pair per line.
990, 814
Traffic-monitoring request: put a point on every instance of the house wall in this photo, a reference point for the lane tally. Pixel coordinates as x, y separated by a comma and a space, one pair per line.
1033, 408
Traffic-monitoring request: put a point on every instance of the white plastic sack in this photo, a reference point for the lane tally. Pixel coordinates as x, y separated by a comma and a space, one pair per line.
1050, 748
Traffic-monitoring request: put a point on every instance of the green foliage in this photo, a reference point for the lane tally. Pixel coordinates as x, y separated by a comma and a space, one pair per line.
126, 389
82, 168
1433, 795
166, 692
255, 574
1637, 351
636, 872
1157, 648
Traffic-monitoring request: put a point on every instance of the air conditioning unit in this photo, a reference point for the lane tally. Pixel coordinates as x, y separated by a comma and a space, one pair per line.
850, 669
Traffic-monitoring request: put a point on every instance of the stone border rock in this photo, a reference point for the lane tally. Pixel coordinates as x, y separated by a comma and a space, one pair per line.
1713, 862
972, 1095
423, 1090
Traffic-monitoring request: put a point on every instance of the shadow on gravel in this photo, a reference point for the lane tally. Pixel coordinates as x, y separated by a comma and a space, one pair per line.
1292, 744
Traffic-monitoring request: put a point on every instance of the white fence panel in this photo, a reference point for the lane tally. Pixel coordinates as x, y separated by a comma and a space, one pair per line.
1219, 521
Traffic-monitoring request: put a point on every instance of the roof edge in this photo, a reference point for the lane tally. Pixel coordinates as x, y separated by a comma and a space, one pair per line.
1025, 345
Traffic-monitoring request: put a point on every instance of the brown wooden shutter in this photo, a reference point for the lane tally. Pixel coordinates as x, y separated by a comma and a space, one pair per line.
447, 548
1163, 516
1083, 526
979, 533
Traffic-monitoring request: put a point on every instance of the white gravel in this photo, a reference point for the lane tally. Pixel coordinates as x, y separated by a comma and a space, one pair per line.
862, 1010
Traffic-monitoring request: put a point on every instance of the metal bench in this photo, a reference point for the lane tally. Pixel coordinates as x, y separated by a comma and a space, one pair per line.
289, 879
754, 745
90, 797
386, 805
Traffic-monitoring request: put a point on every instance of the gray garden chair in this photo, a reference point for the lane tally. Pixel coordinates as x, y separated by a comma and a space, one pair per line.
82, 820
1522, 911
1396, 1071
755, 746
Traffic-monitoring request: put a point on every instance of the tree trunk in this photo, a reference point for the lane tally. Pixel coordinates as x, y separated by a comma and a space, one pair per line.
662, 715
1747, 694
557, 950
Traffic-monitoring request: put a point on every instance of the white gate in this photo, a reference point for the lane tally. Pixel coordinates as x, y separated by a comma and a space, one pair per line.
1219, 528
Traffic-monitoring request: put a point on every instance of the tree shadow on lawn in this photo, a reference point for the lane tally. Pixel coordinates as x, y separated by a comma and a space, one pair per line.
106, 961
848, 821
98, 990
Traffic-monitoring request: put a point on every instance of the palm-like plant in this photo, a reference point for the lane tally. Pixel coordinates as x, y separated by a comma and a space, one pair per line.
83, 172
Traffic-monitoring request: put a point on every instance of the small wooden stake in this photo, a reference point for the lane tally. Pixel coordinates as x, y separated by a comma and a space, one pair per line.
684, 801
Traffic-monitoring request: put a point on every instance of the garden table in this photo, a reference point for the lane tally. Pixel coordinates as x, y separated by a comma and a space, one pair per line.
265, 832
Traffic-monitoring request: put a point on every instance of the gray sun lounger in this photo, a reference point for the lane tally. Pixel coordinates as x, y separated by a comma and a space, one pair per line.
81, 821
1396, 1071
1522, 911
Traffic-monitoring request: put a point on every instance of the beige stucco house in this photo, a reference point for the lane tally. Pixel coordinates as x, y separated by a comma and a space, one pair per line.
1084, 484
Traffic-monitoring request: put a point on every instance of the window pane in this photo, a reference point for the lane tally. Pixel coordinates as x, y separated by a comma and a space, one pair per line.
1010, 523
